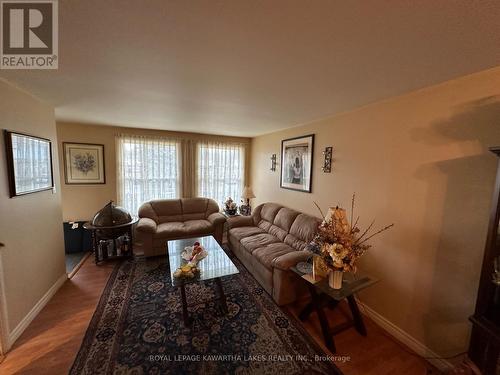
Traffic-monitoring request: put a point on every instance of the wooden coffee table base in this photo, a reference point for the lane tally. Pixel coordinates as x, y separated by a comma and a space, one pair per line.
185, 315
319, 302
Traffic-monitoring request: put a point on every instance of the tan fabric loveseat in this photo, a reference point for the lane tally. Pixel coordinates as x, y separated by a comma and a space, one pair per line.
271, 241
168, 219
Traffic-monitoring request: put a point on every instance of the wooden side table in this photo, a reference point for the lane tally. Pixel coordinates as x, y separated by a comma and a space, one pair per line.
323, 296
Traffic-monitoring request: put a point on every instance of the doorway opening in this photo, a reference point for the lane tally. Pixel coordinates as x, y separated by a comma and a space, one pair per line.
77, 246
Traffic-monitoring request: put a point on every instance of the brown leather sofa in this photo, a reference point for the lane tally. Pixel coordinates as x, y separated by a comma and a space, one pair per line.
271, 241
168, 219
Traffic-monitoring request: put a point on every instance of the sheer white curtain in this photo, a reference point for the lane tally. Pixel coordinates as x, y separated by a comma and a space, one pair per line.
220, 170
147, 168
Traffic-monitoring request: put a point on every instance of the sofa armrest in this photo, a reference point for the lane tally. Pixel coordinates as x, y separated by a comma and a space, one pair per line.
216, 218
240, 221
146, 225
285, 261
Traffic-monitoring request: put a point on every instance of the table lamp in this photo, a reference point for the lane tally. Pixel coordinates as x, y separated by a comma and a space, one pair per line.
246, 195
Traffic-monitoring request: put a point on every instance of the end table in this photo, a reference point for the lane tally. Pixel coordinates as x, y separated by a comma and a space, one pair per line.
322, 296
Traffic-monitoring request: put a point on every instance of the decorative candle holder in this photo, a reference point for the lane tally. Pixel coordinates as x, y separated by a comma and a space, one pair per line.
327, 163
273, 162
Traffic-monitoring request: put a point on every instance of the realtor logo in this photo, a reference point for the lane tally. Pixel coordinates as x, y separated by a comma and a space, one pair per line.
29, 37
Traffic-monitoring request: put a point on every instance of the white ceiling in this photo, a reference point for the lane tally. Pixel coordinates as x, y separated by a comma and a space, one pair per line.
251, 67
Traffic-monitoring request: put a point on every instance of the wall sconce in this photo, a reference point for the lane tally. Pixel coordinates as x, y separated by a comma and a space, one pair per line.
273, 162
327, 163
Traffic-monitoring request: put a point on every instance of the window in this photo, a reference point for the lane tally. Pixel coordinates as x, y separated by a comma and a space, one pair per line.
220, 171
29, 163
147, 169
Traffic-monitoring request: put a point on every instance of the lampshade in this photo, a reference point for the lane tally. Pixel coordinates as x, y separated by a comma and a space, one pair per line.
247, 193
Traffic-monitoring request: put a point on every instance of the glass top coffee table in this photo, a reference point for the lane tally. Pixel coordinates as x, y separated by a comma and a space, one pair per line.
214, 266
322, 295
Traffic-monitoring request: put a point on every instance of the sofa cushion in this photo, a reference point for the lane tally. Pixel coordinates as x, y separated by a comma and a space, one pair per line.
198, 227
294, 242
267, 254
277, 232
285, 218
256, 214
194, 216
170, 230
165, 207
242, 232
265, 225
183, 229
167, 210
269, 211
304, 227
194, 208
194, 205
254, 242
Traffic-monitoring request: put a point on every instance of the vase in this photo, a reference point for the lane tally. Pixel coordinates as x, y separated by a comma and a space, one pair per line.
335, 279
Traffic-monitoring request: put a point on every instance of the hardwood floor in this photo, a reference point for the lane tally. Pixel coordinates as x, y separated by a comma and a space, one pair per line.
377, 353
50, 343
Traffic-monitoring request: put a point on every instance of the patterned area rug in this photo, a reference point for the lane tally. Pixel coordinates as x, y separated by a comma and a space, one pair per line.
137, 328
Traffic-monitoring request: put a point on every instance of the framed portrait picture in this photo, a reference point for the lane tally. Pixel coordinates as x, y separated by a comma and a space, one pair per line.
296, 163
83, 163
29, 163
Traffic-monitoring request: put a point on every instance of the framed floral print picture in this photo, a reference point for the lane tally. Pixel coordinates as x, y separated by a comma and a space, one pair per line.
296, 163
83, 163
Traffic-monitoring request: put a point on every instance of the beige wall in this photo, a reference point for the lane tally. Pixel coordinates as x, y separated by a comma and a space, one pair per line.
31, 225
421, 161
81, 202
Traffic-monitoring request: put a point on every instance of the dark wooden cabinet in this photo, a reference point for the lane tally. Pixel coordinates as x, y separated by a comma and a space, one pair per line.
484, 349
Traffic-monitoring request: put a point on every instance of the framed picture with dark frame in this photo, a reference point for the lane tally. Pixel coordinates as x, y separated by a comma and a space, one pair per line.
296, 163
29, 163
83, 163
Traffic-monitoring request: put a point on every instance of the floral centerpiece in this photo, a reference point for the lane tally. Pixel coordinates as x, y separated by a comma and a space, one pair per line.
339, 244
192, 256
230, 206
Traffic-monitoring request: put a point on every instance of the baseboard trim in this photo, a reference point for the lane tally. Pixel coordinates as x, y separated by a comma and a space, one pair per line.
21, 327
405, 338
77, 267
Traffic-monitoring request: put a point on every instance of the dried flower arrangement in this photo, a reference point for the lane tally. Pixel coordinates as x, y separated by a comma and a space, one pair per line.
338, 243
230, 206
